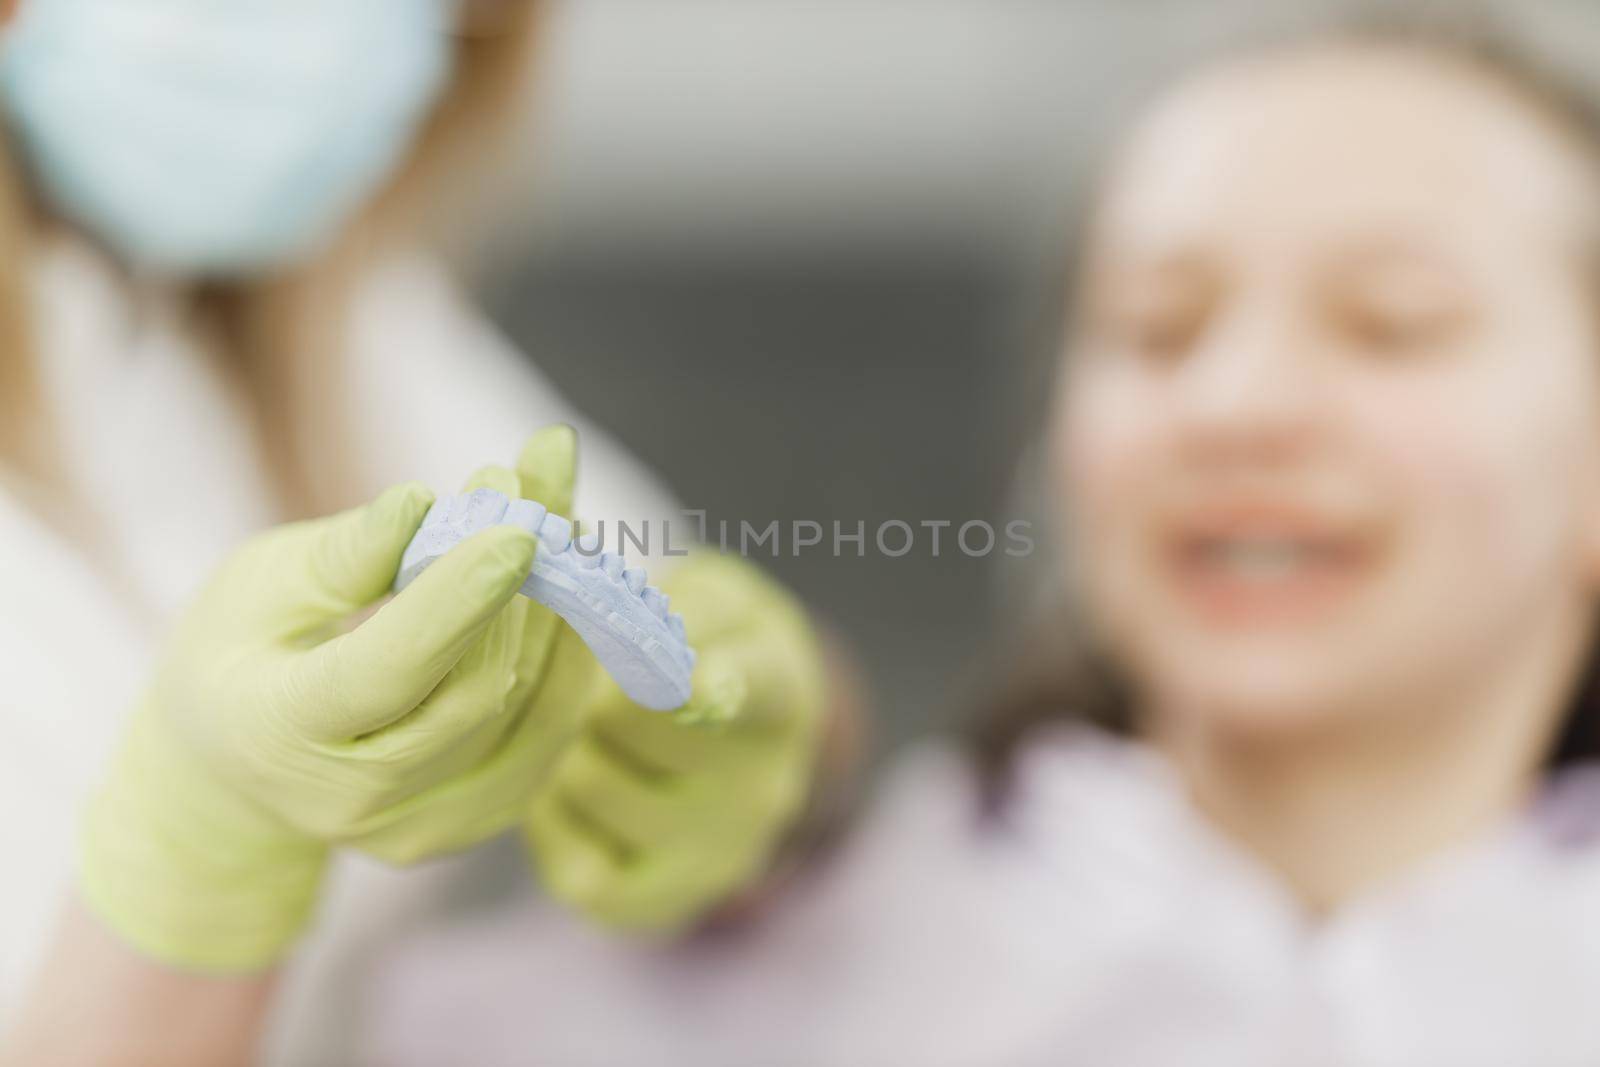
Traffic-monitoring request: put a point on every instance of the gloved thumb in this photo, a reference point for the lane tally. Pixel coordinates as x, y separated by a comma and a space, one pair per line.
379, 672
325, 569
548, 467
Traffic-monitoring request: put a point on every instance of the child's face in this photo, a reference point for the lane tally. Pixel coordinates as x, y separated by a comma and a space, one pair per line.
1328, 435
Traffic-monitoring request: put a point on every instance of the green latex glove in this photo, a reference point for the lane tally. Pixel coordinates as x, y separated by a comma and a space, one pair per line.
649, 819
268, 734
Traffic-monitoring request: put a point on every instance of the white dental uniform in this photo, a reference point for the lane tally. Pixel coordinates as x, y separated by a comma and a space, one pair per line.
153, 439
1102, 923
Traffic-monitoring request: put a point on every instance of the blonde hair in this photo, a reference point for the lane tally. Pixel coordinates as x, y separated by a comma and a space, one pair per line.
278, 337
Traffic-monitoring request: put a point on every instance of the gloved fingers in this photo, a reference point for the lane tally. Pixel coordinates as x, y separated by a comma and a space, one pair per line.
577, 864
664, 741
682, 886
475, 804
498, 478
660, 893
779, 670
407, 837
639, 905
718, 779
503, 665
658, 740
377, 673
467, 714
719, 691
464, 718
719, 595
743, 623
324, 569
548, 467
545, 713
644, 807
528, 674
732, 708
517, 641
498, 787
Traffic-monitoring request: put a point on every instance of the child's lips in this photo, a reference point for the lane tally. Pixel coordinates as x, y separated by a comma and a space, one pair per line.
1256, 563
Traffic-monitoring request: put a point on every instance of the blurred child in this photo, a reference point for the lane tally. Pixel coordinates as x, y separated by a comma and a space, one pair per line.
1327, 451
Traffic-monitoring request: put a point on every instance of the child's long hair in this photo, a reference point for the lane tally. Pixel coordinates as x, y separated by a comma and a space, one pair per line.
1058, 672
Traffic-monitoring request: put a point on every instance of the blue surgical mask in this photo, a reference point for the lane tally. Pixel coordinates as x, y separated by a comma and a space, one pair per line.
219, 136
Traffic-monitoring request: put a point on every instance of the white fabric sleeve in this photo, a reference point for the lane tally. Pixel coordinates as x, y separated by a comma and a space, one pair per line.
71, 662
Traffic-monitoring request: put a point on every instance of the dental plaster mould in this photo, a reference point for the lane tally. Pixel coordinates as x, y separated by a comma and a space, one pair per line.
622, 620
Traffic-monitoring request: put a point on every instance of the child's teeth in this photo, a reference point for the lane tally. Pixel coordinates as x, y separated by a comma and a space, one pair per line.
1261, 558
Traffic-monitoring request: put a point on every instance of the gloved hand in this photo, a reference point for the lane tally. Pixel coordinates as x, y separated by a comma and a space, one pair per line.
268, 735
649, 820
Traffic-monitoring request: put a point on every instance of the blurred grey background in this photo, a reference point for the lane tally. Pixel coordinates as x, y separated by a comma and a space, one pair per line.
790, 253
